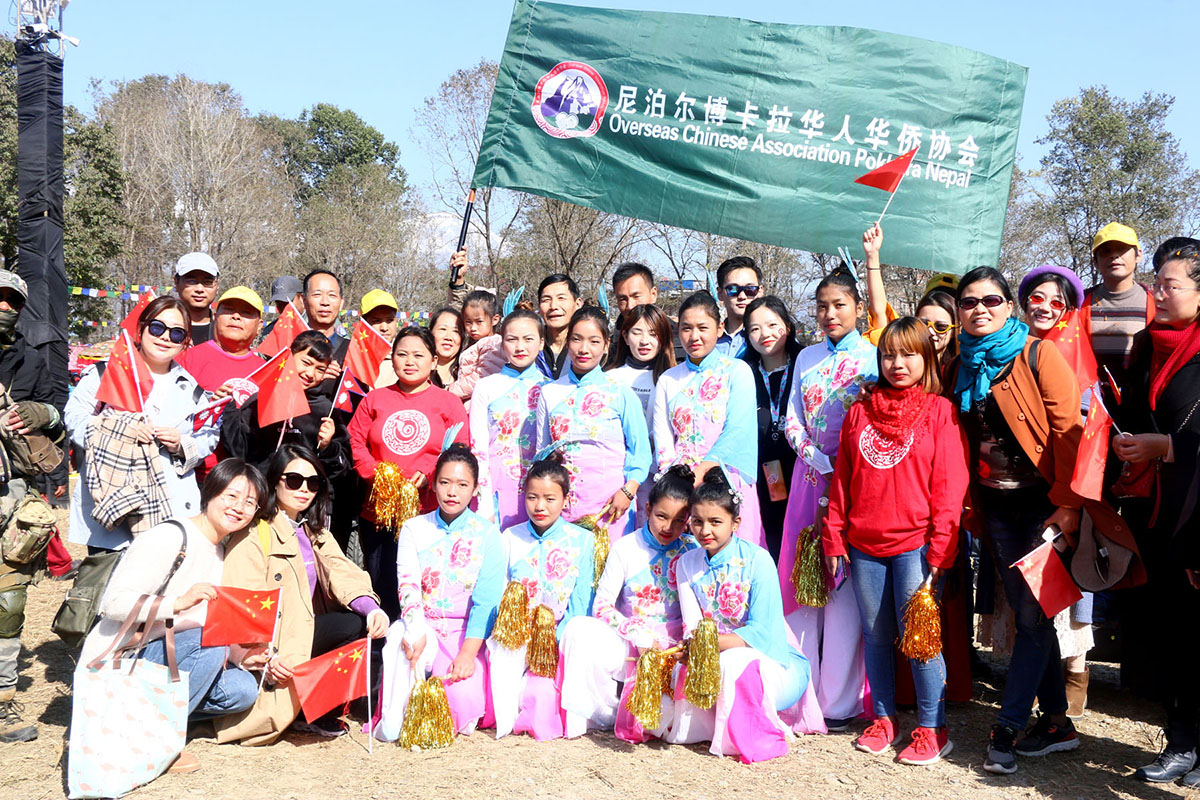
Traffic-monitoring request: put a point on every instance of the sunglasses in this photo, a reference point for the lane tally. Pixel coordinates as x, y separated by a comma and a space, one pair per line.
294, 480
734, 289
157, 328
991, 301
1037, 299
939, 327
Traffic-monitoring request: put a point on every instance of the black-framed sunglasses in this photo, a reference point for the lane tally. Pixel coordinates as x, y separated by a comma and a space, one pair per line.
734, 289
294, 480
991, 301
157, 328
15, 300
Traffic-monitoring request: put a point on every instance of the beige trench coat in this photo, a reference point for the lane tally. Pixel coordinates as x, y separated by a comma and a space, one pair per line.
246, 567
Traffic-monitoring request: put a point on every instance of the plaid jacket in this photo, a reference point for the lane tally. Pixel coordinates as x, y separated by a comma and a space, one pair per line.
123, 475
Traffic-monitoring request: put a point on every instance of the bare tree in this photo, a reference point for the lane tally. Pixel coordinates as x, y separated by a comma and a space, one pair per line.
449, 129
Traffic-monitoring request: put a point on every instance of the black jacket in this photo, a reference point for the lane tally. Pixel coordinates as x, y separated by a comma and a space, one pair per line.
242, 437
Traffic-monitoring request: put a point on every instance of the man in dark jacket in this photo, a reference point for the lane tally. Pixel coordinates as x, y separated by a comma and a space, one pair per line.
28, 419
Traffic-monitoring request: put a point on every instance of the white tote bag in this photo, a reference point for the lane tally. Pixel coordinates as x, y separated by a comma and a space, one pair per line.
128, 716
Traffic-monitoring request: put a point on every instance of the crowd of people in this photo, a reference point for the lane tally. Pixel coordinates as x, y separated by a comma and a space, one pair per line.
796, 496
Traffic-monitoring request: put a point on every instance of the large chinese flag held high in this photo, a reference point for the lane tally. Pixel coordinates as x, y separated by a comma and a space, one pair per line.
130, 323
1048, 579
333, 679
126, 382
1088, 478
289, 325
280, 393
240, 616
367, 351
888, 176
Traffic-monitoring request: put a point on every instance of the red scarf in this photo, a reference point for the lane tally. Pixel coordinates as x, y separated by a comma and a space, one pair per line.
1172, 349
894, 413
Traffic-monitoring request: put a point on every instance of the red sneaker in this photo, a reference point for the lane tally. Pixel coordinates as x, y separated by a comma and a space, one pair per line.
928, 746
878, 737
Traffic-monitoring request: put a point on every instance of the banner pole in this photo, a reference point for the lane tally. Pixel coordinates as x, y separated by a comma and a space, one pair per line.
462, 234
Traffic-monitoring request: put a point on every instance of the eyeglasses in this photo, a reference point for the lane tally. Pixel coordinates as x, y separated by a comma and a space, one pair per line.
1170, 290
157, 328
734, 289
991, 301
939, 327
234, 500
207, 283
1039, 299
294, 480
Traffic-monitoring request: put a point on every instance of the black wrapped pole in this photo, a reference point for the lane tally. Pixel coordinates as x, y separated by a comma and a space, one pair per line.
43, 323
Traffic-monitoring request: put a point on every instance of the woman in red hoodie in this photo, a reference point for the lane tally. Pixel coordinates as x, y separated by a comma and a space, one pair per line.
894, 508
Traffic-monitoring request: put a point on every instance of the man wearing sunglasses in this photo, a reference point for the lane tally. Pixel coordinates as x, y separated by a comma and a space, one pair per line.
739, 281
196, 285
25, 409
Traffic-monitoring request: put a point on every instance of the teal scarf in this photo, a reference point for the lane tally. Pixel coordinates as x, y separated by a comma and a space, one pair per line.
983, 357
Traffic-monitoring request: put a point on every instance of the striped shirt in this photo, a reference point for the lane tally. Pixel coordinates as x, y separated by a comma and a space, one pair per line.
1115, 318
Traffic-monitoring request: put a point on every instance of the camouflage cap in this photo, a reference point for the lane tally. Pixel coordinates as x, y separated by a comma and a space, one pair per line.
11, 280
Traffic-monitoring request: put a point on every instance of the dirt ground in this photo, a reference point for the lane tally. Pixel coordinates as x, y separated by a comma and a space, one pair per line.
1119, 733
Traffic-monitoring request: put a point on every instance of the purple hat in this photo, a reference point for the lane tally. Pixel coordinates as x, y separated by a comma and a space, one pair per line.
1035, 276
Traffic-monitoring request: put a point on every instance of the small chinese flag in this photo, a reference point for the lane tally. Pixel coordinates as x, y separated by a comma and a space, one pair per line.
130, 323
280, 393
240, 616
332, 680
888, 176
1088, 478
367, 351
1075, 344
289, 325
1048, 579
126, 382
347, 387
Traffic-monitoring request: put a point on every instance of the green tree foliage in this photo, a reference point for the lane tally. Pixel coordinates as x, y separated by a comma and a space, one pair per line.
1112, 159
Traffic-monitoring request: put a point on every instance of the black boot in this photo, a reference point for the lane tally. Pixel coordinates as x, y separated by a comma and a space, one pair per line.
1168, 767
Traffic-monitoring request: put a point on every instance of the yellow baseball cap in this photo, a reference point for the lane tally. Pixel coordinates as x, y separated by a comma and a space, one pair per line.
1115, 232
245, 294
942, 280
376, 298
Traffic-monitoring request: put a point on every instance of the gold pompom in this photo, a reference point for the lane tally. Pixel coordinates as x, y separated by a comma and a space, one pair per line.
394, 498
652, 681
427, 721
600, 546
922, 638
808, 573
542, 655
704, 666
410, 731
512, 619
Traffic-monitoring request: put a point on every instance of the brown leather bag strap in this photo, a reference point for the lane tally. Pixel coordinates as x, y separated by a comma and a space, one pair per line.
126, 626
169, 646
136, 644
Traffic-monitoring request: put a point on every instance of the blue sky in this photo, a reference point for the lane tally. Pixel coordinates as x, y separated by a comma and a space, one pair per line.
382, 58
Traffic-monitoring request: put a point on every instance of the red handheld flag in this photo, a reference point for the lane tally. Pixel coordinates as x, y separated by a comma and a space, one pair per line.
331, 680
888, 176
1074, 342
126, 382
130, 323
367, 351
209, 414
280, 393
1048, 579
285, 330
1088, 478
240, 616
349, 385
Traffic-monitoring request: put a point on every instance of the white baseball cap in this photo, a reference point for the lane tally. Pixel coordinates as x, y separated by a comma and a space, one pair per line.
191, 262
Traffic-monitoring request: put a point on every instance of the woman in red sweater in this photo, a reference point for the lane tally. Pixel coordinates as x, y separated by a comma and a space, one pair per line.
403, 423
894, 508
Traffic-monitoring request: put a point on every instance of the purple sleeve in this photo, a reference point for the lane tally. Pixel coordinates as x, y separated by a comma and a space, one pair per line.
310, 560
363, 605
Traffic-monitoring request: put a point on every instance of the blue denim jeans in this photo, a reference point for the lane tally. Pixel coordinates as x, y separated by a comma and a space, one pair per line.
1015, 521
883, 587
214, 689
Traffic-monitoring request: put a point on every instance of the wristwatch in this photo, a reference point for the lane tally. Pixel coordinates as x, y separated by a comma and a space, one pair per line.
627, 493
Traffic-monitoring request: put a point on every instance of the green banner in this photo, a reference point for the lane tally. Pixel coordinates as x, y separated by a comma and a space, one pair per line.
757, 130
